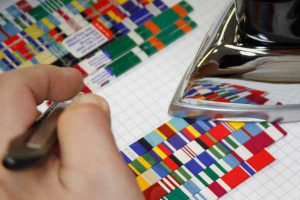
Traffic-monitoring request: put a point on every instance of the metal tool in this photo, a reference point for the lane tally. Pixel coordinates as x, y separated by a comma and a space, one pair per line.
36, 143
258, 41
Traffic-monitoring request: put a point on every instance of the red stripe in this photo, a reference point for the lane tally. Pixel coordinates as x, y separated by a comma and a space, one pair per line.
165, 184
84, 73
118, 12
90, 14
237, 156
25, 52
187, 133
209, 142
249, 134
279, 128
193, 152
219, 132
185, 151
86, 90
68, 20
4, 33
171, 164
235, 177
260, 160
103, 29
154, 192
216, 188
170, 181
11, 39
259, 142
164, 149
166, 130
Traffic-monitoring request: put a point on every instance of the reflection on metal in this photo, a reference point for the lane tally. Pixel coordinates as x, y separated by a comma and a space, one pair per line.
229, 51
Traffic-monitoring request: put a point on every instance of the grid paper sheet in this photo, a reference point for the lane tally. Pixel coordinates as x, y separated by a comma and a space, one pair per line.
140, 99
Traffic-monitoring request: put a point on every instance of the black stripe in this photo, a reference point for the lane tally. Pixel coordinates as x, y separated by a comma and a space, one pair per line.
145, 144
175, 160
190, 120
202, 144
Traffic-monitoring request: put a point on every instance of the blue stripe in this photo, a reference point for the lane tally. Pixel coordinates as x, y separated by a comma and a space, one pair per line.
127, 160
13, 11
206, 159
130, 7
154, 138
225, 146
231, 160
247, 168
160, 170
178, 123
240, 136
176, 141
138, 14
203, 125
7, 63
144, 19
191, 187
252, 128
194, 167
11, 57
138, 148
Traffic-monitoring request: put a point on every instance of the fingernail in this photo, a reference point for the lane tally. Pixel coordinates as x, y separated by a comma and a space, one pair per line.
91, 99
88, 99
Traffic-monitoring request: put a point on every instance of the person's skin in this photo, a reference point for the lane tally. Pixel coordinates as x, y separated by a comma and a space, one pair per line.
89, 165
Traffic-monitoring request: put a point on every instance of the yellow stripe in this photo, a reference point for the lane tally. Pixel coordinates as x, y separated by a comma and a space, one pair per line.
144, 162
114, 16
161, 135
45, 57
159, 152
151, 176
18, 57
2, 55
193, 131
34, 31
121, 1
134, 169
142, 183
200, 98
236, 125
32, 49
48, 23
172, 127
77, 6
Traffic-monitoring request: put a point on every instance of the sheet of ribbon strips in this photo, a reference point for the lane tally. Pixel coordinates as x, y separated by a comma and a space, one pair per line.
181, 159
212, 90
188, 159
103, 39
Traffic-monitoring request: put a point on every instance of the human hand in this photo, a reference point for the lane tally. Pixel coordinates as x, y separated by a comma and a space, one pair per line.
89, 165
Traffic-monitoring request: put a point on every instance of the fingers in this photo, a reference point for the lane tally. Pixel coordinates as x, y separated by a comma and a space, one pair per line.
21, 90
84, 131
88, 150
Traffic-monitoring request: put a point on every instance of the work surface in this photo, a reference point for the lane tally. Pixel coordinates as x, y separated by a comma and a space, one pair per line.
140, 99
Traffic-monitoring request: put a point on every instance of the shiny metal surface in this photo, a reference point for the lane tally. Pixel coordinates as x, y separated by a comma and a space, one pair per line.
237, 47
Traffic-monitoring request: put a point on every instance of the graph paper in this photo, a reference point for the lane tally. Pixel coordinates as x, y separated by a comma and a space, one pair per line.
139, 102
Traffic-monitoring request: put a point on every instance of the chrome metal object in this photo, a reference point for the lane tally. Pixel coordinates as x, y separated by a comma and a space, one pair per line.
239, 47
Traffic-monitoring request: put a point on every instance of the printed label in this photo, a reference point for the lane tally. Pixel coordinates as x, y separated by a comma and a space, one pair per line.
84, 41
100, 78
93, 63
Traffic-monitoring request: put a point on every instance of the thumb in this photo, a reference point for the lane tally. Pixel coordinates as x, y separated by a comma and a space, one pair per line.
88, 148
84, 132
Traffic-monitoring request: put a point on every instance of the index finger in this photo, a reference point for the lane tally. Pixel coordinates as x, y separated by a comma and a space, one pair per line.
22, 90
